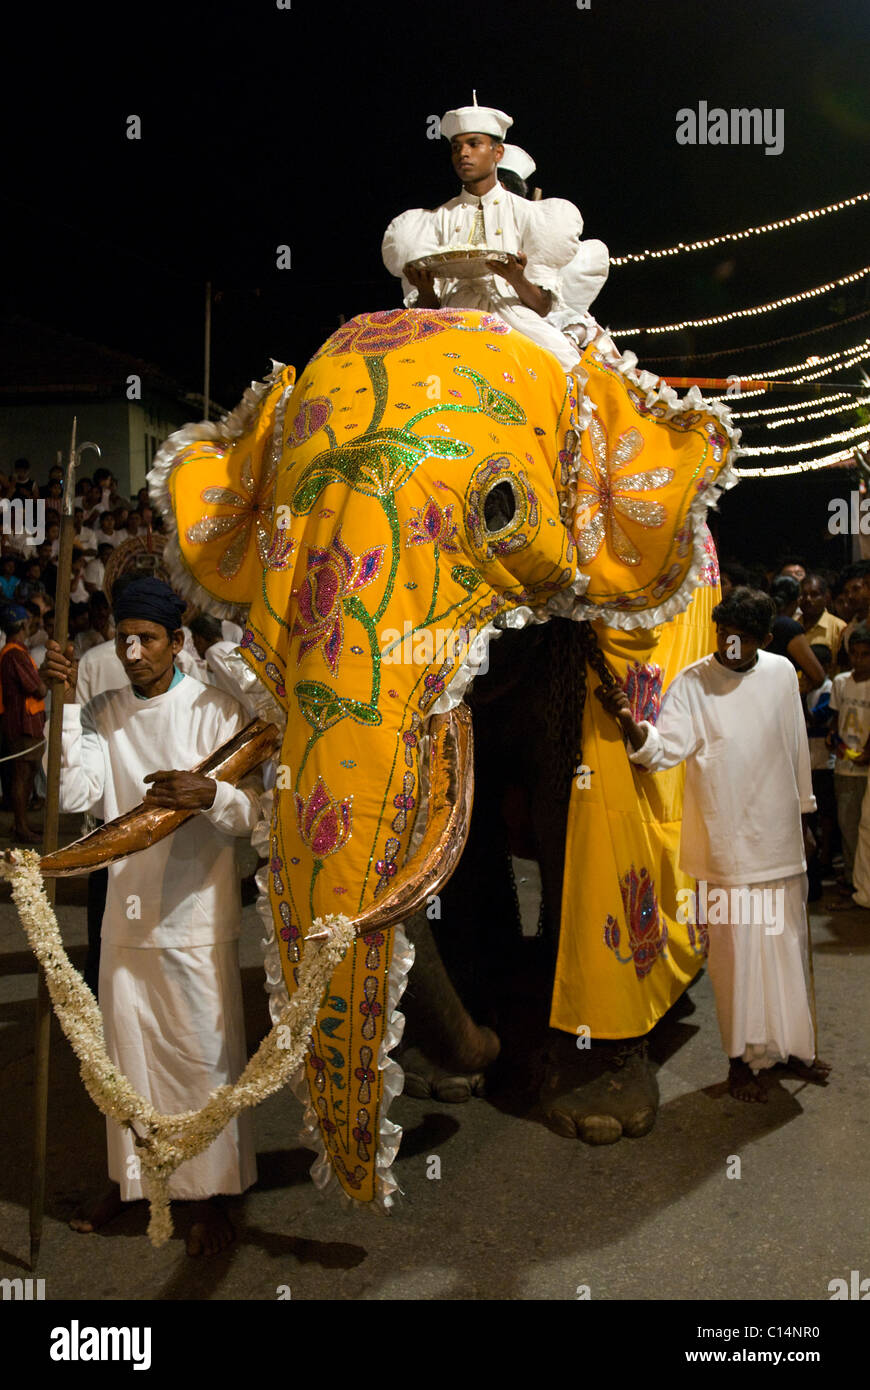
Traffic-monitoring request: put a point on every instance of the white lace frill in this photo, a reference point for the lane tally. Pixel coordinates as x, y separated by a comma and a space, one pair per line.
656, 393
224, 431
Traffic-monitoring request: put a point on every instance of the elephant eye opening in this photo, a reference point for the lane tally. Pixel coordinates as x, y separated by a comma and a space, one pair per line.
500, 507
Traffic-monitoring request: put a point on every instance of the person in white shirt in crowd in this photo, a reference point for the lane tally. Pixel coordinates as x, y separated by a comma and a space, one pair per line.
98, 625
170, 990
850, 739
78, 589
735, 719
106, 532
84, 534
213, 651
95, 570
539, 237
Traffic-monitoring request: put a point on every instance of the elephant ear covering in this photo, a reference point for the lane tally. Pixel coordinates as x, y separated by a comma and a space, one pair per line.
374, 520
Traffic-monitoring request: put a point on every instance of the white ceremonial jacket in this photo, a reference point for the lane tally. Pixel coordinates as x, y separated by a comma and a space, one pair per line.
743, 739
184, 890
547, 232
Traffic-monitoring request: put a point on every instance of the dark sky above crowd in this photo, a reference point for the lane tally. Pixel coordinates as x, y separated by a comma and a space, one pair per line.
307, 127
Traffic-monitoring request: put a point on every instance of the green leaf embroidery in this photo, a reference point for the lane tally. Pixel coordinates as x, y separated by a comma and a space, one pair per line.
496, 404
322, 707
375, 464
469, 579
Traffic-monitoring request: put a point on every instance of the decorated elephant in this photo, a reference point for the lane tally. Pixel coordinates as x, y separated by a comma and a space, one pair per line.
433, 480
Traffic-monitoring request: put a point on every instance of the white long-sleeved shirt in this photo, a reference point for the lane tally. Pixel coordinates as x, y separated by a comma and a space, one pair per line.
546, 231
182, 891
744, 742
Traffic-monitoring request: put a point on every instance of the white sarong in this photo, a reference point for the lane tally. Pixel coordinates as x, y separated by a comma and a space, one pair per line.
175, 1027
761, 978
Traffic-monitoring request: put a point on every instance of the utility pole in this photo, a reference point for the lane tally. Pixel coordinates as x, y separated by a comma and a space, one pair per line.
207, 371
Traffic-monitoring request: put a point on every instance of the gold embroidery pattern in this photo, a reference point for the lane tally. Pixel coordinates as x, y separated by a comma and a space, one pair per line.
601, 495
251, 512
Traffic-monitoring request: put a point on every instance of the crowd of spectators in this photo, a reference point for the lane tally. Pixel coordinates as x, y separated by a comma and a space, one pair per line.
29, 545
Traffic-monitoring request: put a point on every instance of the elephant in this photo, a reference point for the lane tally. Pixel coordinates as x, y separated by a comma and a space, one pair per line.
432, 481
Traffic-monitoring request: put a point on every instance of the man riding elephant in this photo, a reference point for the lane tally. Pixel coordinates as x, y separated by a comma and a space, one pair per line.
433, 479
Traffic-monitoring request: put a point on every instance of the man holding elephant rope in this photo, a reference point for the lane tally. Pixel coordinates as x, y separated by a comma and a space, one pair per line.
170, 991
735, 718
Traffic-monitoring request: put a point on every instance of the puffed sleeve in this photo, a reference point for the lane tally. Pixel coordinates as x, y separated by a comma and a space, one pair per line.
552, 230
410, 235
581, 278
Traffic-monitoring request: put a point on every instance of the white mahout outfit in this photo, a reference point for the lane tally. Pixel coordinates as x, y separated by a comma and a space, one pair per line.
170, 990
743, 739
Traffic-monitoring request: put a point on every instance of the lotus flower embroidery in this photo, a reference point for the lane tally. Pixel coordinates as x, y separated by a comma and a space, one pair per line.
333, 575
324, 824
430, 525
647, 931
250, 512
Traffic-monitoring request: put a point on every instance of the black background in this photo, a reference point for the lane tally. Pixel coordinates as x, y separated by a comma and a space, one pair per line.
307, 127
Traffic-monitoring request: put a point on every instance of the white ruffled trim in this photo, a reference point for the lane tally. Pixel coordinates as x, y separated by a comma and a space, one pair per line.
656, 392
224, 431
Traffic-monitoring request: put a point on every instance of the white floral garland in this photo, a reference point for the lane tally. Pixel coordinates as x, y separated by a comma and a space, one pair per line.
167, 1140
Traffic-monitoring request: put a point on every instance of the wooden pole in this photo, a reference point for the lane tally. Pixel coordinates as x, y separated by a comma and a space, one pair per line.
49, 843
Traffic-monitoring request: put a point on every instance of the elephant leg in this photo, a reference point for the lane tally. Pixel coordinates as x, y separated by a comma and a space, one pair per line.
600, 1093
608, 1090
445, 1053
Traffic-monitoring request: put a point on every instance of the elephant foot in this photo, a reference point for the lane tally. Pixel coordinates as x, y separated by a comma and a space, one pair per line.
600, 1095
426, 1080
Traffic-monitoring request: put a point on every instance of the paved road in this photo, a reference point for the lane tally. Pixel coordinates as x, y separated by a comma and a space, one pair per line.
517, 1212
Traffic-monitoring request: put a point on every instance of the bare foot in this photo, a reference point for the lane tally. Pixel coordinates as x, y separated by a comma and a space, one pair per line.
211, 1231
817, 1072
104, 1210
743, 1084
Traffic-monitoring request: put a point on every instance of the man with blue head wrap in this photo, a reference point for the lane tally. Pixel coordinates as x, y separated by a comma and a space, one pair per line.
169, 989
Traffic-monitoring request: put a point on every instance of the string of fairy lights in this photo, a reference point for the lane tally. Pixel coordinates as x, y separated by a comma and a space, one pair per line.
766, 417
805, 417
752, 311
843, 459
682, 247
814, 368
842, 437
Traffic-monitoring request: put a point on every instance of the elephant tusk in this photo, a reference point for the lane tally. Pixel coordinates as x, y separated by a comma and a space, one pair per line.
451, 793
145, 825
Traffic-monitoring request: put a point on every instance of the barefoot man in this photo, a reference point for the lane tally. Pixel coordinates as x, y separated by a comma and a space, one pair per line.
170, 991
735, 718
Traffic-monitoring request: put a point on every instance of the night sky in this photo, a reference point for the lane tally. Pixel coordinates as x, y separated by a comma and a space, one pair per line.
307, 127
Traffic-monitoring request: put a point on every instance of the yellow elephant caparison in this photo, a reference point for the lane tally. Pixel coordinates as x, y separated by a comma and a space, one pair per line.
432, 472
